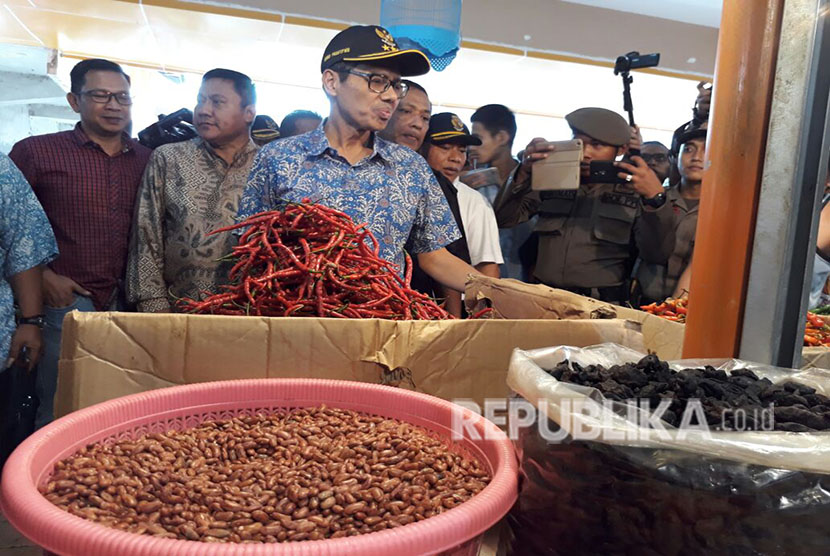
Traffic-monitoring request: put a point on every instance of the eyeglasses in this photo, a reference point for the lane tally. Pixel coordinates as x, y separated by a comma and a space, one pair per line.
658, 158
380, 83
103, 97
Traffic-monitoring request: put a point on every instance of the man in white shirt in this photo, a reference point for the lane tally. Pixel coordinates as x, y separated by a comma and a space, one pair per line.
445, 149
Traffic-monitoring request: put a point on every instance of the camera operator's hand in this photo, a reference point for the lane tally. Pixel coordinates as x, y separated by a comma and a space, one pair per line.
537, 149
478, 179
642, 179
636, 142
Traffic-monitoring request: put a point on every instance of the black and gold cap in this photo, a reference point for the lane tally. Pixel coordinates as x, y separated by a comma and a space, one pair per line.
265, 128
369, 43
447, 127
686, 133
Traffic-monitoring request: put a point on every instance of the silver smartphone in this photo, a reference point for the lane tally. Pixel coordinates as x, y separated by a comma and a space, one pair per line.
481, 177
561, 169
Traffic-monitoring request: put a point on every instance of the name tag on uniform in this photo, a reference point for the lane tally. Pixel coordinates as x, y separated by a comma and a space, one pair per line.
620, 199
558, 194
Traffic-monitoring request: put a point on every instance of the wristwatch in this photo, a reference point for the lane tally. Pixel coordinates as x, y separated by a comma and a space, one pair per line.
37, 320
655, 202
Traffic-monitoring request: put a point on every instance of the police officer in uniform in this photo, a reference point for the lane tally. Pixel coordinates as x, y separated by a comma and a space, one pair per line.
590, 237
659, 281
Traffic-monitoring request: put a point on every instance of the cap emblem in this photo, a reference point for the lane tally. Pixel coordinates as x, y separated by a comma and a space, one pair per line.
457, 124
388, 42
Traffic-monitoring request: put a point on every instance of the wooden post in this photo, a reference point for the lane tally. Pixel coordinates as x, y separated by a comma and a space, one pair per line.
742, 94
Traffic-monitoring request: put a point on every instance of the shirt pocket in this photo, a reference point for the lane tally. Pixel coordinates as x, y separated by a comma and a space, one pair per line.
613, 223
553, 213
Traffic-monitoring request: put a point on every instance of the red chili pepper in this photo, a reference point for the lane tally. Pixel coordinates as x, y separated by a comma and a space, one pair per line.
407, 280
340, 274
485, 311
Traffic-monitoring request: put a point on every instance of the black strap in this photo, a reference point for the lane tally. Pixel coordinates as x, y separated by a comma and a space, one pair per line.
458, 248
420, 280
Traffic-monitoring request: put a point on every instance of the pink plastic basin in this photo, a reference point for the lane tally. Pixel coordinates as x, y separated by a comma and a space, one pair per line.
457, 531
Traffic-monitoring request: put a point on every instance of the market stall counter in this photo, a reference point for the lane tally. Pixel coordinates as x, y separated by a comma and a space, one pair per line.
511, 299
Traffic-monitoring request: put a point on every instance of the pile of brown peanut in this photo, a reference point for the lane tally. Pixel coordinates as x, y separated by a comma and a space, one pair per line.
305, 474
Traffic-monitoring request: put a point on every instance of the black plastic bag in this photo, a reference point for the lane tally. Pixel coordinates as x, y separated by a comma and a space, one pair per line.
730, 493
592, 498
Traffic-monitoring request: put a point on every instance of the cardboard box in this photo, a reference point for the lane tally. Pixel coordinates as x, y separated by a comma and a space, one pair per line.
107, 355
815, 358
512, 299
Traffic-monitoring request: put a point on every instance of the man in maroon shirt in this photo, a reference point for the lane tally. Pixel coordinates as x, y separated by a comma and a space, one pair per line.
86, 179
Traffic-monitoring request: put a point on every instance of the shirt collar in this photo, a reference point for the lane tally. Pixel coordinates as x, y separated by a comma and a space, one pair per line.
83, 140
316, 143
447, 183
382, 148
242, 155
673, 194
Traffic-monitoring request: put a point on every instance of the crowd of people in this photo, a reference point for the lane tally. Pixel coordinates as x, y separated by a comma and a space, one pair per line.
91, 220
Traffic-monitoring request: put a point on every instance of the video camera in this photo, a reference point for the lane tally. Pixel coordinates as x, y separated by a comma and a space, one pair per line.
635, 60
172, 128
605, 171
626, 63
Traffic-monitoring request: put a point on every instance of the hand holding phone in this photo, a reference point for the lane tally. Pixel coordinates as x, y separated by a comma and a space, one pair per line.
642, 179
537, 149
481, 177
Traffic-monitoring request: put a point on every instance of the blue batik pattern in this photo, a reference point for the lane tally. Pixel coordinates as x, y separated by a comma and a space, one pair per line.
26, 240
393, 190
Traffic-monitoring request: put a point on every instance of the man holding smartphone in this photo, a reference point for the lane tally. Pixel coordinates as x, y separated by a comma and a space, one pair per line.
589, 237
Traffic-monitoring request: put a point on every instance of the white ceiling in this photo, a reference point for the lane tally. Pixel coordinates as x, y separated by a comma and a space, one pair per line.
697, 12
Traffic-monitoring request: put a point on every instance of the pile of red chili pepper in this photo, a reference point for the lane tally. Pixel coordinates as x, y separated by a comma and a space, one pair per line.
817, 331
309, 260
670, 309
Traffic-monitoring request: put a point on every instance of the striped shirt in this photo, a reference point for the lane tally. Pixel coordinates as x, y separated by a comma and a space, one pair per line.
89, 198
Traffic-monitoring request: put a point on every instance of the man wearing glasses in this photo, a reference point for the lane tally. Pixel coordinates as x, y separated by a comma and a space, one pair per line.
346, 165
86, 179
658, 158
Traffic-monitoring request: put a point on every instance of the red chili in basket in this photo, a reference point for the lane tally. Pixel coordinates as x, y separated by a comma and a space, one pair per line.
311, 260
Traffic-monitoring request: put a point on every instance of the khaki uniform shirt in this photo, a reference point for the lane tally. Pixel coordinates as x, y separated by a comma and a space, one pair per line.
658, 281
588, 237
187, 192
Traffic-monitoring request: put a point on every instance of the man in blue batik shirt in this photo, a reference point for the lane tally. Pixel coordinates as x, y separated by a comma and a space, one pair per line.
346, 165
27, 243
